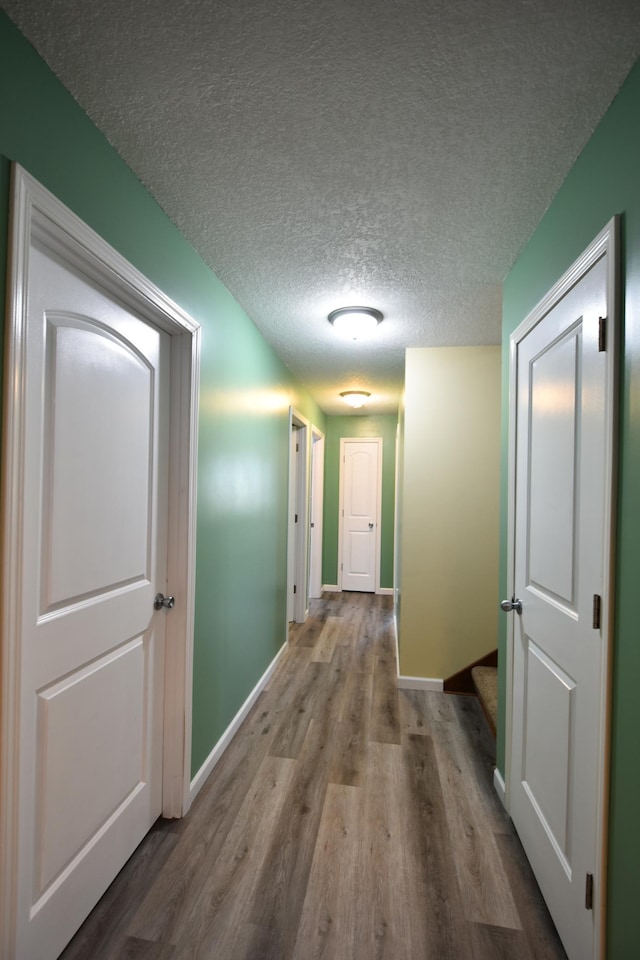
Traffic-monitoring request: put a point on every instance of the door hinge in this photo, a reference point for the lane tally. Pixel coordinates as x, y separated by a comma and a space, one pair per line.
341, 567
297, 447
602, 334
312, 524
597, 607
588, 892
295, 589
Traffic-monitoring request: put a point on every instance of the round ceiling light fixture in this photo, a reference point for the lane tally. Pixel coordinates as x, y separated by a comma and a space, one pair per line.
355, 323
355, 398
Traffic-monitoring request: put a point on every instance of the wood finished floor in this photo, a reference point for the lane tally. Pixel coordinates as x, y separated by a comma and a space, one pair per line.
347, 820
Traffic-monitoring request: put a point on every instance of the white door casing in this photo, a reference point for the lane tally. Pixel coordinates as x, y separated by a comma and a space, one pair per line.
396, 533
94, 494
291, 523
315, 524
359, 513
561, 500
298, 519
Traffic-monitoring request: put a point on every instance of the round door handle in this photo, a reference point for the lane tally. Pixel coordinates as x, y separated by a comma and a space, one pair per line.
370, 525
509, 605
161, 601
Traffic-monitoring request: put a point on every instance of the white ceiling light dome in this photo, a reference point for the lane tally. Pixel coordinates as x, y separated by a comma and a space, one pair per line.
355, 398
355, 323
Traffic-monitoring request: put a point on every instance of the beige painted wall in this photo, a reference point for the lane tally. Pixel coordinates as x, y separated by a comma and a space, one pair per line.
450, 502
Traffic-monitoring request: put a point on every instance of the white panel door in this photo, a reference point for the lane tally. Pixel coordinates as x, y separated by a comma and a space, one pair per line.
292, 526
94, 555
560, 482
317, 490
360, 513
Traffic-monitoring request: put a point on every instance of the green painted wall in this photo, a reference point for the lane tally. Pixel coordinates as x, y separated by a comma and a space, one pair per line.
605, 180
245, 389
358, 426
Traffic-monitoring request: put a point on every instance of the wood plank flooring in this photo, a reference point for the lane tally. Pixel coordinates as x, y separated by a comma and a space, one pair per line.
347, 820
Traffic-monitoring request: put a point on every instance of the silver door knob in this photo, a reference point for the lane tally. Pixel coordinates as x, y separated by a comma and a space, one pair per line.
161, 601
513, 604
370, 525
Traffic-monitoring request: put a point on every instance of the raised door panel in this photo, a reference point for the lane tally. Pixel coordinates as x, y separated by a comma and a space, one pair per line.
102, 756
553, 435
549, 718
98, 462
360, 495
358, 562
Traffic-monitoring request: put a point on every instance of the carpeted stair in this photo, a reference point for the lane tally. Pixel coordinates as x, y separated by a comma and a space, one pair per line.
485, 680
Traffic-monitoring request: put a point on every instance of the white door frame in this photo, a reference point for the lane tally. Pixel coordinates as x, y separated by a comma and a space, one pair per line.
396, 535
35, 209
316, 517
606, 243
378, 441
298, 533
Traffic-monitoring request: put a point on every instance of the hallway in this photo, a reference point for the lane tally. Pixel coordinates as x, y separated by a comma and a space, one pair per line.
347, 820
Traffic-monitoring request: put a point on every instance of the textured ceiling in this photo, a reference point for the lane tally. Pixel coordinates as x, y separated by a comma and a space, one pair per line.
320, 153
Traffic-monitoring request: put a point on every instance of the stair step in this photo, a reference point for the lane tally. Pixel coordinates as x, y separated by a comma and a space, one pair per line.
485, 680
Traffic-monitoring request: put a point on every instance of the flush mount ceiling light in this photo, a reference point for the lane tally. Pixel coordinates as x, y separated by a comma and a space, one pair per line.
354, 323
355, 398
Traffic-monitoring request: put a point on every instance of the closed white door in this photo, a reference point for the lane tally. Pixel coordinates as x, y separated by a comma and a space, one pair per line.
315, 524
361, 465
93, 557
562, 475
292, 527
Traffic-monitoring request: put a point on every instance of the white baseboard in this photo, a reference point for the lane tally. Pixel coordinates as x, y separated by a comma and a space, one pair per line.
201, 776
433, 684
500, 787
384, 591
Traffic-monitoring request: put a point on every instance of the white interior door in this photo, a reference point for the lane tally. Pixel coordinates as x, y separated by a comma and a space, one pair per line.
292, 535
94, 545
361, 483
317, 492
562, 503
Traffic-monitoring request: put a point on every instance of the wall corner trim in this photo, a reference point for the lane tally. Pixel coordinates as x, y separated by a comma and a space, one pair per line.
499, 787
433, 684
384, 591
200, 778
331, 588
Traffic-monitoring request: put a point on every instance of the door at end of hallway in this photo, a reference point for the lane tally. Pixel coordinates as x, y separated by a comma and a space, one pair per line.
360, 511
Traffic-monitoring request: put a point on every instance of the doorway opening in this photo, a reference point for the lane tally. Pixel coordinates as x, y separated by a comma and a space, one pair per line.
560, 579
90, 342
